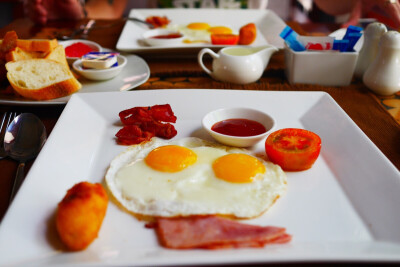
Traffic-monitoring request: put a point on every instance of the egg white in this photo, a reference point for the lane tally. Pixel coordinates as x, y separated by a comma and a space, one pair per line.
194, 190
192, 35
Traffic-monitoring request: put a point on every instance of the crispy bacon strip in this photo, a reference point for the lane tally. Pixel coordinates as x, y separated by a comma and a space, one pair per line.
163, 130
213, 232
142, 123
132, 134
160, 113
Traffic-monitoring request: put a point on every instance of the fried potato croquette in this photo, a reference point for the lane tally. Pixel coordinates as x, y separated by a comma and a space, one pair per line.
80, 215
247, 34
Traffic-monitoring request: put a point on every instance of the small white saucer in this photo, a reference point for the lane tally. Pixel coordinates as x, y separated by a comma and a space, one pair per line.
100, 74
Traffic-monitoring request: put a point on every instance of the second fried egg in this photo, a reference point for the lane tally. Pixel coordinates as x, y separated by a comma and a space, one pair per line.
192, 176
199, 32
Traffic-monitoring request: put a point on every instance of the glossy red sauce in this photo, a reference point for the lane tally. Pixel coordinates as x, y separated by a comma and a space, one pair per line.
239, 127
167, 36
77, 50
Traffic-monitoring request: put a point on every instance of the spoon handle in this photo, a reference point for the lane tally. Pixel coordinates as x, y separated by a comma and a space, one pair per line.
19, 177
151, 26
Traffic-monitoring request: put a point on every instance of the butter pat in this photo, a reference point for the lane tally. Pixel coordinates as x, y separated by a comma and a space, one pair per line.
99, 60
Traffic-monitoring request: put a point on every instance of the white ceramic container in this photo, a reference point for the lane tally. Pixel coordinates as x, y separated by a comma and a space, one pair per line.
238, 113
238, 64
383, 75
95, 46
369, 49
100, 74
148, 37
328, 68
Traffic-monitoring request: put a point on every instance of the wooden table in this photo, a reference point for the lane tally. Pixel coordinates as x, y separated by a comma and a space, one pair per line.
388, 140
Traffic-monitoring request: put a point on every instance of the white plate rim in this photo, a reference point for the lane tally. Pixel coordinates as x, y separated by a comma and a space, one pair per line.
382, 247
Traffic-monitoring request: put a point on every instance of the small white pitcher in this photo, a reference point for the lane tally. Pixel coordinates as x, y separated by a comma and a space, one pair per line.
238, 64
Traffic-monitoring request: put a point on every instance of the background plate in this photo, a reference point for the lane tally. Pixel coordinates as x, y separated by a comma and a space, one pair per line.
345, 208
135, 73
269, 26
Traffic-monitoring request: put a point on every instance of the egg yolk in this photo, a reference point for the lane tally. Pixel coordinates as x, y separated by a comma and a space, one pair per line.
170, 158
198, 26
237, 168
220, 30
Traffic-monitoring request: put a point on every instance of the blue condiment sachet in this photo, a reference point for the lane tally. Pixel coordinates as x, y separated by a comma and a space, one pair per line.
340, 45
291, 40
353, 34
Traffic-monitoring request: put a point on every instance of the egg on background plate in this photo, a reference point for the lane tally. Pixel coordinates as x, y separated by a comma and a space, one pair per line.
199, 32
192, 176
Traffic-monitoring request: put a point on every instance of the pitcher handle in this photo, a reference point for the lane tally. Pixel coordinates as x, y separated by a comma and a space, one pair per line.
200, 58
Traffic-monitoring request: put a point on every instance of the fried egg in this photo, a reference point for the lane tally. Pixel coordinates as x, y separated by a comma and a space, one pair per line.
192, 176
199, 32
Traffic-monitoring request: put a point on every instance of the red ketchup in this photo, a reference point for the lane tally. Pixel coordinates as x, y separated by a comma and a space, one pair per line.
167, 36
239, 127
77, 50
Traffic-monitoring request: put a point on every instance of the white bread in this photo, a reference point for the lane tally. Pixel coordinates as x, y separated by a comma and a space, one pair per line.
58, 54
21, 54
41, 79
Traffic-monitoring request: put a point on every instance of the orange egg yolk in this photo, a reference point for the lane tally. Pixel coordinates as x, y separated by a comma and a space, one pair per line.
170, 158
237, 168
220, 30
198, 26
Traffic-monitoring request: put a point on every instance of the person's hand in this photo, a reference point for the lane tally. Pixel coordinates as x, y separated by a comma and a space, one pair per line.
40, 11
387, 9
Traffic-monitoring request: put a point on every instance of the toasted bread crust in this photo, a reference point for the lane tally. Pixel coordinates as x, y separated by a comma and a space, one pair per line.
56, 90
37, 45
20, 54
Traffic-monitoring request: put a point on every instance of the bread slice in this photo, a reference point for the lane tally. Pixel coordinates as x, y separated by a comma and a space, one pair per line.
21, 54
58, 54
37, 45
41, 79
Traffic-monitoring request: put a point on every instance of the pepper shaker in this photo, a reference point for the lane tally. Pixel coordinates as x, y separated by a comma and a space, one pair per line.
369, 50
383, 75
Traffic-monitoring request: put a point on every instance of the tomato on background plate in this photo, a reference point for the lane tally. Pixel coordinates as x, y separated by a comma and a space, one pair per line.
293, 149
224, 39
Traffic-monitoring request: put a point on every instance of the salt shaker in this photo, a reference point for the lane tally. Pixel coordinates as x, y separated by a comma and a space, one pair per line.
372, 35
383, 75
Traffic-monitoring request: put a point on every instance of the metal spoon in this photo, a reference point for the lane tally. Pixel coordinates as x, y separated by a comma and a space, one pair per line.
23, 140
82, 29
151, 26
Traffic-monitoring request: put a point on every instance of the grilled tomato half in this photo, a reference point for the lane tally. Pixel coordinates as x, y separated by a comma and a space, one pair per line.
293, 149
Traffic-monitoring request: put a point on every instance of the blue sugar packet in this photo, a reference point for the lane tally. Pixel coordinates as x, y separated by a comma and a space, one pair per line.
340, 45
353, 39
352, 29
290, 38
353, 33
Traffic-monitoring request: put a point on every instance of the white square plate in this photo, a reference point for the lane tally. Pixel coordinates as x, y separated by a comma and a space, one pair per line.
345, 208
268, 24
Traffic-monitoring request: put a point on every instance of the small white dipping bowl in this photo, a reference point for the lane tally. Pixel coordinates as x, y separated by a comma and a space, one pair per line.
103, 74
148, 37
238, 113
95, 46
